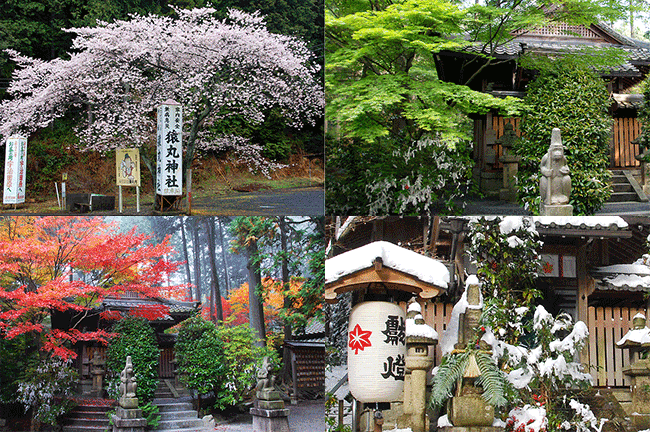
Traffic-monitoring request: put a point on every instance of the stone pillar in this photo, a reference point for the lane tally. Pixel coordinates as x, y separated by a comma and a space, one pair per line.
128, 417
510, 163
639, 373
419, 363
555, 182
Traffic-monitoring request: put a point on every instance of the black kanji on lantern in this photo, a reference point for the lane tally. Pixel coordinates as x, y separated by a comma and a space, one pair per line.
395, 330
394, 367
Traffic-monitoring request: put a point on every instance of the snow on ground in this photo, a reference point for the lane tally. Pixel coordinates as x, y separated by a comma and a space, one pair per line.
395, 257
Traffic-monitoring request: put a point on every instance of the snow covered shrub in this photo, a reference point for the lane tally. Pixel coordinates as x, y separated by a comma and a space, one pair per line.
546, 369
46, 388
527, 419
506, 253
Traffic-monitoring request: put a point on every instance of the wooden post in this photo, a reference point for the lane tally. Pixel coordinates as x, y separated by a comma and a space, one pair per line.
294, 372
120, 197
341, 404
585, 288
137, 199
189, 192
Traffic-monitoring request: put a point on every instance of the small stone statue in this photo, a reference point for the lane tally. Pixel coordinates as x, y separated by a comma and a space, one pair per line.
128, 383
555, 182
264, 378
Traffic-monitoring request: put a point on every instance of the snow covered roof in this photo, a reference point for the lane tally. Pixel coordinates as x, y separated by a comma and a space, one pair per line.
623, 277
635, 338
591, 222
386, 263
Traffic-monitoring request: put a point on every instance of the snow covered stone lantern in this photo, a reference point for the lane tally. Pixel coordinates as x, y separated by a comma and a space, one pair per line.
637, 339
380, 275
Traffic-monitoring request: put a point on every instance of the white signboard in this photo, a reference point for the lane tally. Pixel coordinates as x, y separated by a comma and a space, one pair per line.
15, 164
169, 169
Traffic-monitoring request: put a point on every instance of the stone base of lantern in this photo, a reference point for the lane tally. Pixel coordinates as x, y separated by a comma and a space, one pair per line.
264, 420
128, 402
640, 421
556, 210
471, 411
128, 420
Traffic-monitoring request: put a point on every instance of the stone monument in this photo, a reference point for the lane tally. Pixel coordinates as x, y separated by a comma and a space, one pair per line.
555, 182
468, 411
128, 417
269, 413
510, 163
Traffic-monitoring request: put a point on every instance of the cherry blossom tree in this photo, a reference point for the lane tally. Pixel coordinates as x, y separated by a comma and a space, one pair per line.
69, 265
120, 72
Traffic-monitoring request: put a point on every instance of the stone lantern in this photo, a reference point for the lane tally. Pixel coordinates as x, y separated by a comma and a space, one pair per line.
419, 337
636, 340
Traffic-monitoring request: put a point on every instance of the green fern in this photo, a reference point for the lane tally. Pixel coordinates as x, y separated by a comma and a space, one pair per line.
451, 372
492, 379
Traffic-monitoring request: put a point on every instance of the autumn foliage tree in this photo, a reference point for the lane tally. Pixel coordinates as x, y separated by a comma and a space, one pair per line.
121, 71
52, 265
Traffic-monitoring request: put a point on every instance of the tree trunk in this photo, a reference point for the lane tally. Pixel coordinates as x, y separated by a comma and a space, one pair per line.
286, 354
187, 259
197, 261
215, 304
255, 308
223, 256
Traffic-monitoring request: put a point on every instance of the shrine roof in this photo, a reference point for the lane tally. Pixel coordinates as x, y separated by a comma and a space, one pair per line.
385, 263
622, 277
176, 307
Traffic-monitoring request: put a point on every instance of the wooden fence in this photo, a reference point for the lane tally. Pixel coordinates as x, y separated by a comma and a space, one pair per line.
606, 325
623, 151
624, 131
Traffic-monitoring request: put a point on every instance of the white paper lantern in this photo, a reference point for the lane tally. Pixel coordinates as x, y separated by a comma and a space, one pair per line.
376, 352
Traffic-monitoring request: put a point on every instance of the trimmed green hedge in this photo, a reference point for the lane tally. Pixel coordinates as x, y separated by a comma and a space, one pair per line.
573, 98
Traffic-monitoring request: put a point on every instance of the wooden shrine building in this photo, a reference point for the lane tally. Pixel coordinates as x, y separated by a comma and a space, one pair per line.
504, 76
178, 311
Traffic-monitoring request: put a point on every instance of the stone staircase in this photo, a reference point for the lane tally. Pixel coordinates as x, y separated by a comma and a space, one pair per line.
176, 413
625, 187
87, 419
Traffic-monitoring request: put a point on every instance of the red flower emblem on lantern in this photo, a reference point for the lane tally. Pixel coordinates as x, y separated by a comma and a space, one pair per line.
359, 339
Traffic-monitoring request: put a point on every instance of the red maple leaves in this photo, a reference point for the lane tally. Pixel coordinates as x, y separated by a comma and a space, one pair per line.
359, 339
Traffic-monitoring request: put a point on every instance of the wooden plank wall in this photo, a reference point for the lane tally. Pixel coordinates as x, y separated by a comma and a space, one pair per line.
607, 325
624, 131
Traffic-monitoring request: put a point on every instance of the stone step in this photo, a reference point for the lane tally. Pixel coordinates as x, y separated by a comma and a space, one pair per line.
176, 415
70, 428
173, 406
180, 423
190, 429
87, 414
87, 422
623, 196
622, 187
